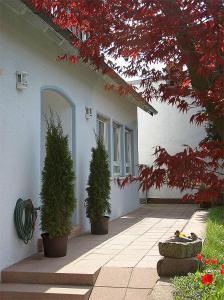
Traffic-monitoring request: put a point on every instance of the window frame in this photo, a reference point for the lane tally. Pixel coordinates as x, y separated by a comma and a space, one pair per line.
105, 122
117, 163
131, 149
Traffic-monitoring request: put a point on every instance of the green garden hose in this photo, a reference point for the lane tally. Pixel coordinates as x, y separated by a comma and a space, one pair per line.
25, 216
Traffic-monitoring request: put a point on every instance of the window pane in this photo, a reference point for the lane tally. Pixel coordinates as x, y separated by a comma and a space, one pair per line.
128, 146
116, 169
101, 128
128, 151
128, 170
116, 142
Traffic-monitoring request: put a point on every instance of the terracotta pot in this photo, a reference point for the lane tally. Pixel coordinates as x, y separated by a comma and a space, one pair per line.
54, 247
100, 226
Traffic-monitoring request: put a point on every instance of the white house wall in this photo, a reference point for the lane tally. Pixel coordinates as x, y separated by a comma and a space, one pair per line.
169, 129
24, 48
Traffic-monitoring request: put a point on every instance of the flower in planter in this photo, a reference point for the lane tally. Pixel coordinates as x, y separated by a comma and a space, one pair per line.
207, 279
206, 283
199, 257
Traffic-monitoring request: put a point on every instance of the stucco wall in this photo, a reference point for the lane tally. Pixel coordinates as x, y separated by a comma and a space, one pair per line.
25, 48
169, 129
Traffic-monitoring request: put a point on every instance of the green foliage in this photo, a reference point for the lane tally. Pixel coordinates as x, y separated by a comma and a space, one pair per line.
214, 242
190, 286
97, 202
57, 194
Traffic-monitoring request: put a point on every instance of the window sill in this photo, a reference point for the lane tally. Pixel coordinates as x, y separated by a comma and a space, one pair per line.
115, 177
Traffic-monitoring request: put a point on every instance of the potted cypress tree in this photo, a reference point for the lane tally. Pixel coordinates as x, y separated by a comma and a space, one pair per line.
57, 194
97, 203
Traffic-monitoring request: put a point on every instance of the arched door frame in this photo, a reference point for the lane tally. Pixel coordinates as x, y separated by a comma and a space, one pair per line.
62, 93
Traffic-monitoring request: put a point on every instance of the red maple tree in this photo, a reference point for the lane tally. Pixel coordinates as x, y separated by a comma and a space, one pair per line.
187, 36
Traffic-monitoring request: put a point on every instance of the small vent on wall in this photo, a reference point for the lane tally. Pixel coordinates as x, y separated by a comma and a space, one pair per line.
89, 113
21, 80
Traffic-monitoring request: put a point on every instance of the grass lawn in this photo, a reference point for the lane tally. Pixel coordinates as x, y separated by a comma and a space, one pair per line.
214, 244
193, 286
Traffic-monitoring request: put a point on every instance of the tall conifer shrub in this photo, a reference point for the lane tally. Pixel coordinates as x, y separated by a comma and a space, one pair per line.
57, 194
97, 202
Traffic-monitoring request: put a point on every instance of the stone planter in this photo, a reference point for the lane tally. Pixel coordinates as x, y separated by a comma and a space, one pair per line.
180, 247
179, 256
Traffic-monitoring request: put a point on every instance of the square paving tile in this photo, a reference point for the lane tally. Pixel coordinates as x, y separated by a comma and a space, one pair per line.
153, 252
143, 278
114, 277
107, 293
125, 257
122, 263
105, 251
113, 246
84, 266
161, 293
137, 294
130, 251
149, 262
99, 257
139, 247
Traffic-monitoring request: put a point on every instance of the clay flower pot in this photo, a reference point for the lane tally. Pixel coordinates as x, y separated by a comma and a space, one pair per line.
100, 226
54, 247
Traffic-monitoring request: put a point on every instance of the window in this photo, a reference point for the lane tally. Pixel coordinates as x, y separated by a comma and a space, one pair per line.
116, 149
102, 130
128, 151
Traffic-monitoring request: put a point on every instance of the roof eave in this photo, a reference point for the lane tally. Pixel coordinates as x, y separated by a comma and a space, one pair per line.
137, 99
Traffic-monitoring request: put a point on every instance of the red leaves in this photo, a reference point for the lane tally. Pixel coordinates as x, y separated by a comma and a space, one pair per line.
186, 35
71, 58
196, 169
120, 89
199, 118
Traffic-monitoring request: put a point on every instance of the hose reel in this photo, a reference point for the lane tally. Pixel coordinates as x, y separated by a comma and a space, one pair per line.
25, 215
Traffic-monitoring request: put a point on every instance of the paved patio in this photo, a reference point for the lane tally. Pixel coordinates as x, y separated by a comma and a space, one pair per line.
126, 257
130, 271
136, 245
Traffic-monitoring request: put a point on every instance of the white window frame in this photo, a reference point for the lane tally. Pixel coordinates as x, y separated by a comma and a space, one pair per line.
105, 122
117, 163
128, 164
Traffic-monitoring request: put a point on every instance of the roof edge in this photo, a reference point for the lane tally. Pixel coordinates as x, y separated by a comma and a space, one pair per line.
139, 101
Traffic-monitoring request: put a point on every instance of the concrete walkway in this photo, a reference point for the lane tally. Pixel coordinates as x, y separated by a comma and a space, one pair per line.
126, 257
137, 245
130, 273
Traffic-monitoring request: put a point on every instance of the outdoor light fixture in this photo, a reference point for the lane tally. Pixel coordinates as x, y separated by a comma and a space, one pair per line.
89, 113
21, 80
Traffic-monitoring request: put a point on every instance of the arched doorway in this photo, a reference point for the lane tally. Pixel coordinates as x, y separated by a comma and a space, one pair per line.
56, 101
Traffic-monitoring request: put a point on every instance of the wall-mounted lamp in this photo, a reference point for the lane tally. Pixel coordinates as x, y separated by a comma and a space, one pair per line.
89, 113
21, 80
